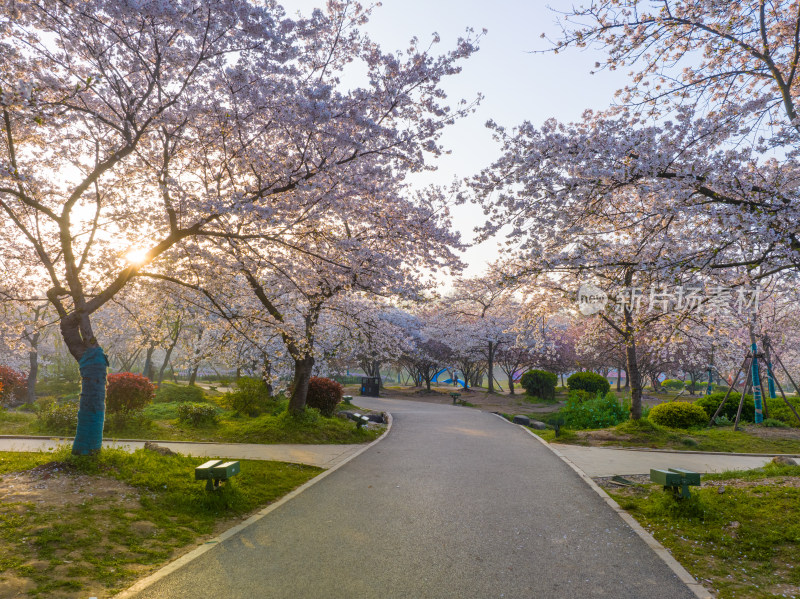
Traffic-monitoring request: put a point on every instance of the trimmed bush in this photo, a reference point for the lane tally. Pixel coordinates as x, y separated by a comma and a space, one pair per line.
59, 417
780, 411
672, 384
13, 386
324, 394
710, 403
126, 392
197, 414
540, 383
599, 412
678, 414
588, 381
169, 392
250, 398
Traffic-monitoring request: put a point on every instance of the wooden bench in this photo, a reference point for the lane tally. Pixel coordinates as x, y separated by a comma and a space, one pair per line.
216, 471
676, 479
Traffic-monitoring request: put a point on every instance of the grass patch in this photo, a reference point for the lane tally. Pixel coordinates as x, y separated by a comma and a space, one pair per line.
16, 423
160, 422
93, 525
532, 399
644, 433
745, 541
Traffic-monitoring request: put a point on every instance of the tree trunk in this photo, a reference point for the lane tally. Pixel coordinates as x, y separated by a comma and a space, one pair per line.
33, 373
266, 374
93, 364
511, 384
167, 355
302, 373
490, 368
619, 378
193, 375
627, 380
147, 370
633, 368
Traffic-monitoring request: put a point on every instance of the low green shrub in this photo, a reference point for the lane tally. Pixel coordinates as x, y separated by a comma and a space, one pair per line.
250, 397
723, 421
678, 414
600, 412
539, 383
588, 381
128, 392
710, 403
672, 384
324, 395
170, 392
59, 417
778, 410
581, 395
197, 414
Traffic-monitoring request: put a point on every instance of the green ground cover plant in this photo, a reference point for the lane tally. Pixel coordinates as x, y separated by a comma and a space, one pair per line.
745, 540
114, 517
161, 422
599, 412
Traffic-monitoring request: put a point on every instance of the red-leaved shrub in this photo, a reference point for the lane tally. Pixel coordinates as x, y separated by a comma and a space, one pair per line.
13, 385
127, 392
323, 394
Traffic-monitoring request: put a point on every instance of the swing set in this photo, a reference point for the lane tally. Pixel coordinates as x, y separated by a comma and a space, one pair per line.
753, 382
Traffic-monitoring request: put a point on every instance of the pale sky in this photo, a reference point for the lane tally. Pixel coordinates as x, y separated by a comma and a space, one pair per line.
517, 85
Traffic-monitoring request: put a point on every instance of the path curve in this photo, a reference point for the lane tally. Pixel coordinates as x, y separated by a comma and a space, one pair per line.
453, 503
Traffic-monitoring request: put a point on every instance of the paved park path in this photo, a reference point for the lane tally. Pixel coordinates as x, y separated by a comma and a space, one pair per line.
454, 503
324, 456
603, 461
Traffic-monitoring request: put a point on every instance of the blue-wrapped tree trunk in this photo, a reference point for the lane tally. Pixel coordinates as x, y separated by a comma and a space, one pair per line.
91, 412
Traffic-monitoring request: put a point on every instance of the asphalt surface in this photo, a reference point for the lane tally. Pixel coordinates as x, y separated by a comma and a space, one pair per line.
453, 503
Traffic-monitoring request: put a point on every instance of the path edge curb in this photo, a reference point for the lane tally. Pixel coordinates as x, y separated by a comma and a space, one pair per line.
682, 573
192, 555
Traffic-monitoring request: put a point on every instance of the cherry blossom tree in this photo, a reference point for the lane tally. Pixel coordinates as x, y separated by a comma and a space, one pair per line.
131, 126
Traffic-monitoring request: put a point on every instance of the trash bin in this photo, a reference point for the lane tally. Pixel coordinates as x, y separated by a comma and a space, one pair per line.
370, 386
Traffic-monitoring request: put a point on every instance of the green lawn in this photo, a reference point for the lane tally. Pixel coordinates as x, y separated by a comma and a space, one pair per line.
91, 526
745, 540
161, 423
646, 434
